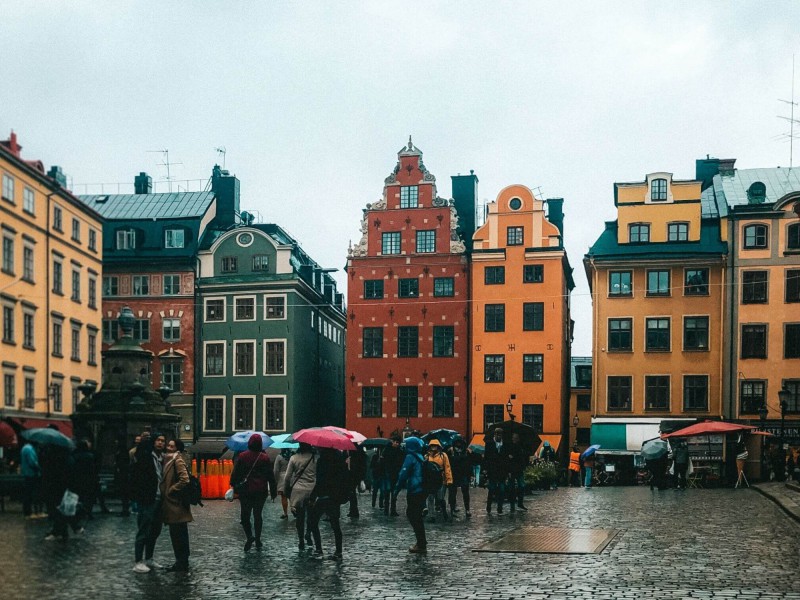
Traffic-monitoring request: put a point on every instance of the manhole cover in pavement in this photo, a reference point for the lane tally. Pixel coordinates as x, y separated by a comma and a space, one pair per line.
552, 540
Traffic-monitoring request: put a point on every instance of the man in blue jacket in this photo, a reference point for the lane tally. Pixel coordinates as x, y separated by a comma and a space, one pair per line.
410, 477
29, 463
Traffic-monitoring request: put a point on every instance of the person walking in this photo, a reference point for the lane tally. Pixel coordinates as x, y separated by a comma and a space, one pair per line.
495, 461
376, 471
518, 459
437, 499
122, 471
254, 479
332, 488
146, 476
358, 470
174, 512
279, 473
79, 479
680, 459
574, 468
299, 481
32, 474
134, 506
410, 478
393, 459
588, 468
461, 466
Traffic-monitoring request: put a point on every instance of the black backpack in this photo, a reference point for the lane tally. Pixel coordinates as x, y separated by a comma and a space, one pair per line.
431, 477
192, 494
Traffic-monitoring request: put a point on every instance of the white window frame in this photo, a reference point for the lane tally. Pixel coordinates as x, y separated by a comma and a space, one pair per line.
163, 330
29, 200
172, 233
233, 416
285, 311
266, 426
255, 307
140, 278
255, 358
224, 308
8, 187
92, 239
285, 352
126, 239
164, 284
224, 411
30, 277
224, 357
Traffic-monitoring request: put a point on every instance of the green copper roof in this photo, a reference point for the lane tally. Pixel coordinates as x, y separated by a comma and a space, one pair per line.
731, 189
607, 247
175, 205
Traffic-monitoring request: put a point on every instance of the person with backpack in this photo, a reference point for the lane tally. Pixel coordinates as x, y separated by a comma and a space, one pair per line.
410, 478
331, 490
436, 497
253, 478
174, 512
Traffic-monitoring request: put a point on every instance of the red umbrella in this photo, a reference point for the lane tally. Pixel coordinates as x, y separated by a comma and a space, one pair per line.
324, 438
353, 435
8, 437
708, 428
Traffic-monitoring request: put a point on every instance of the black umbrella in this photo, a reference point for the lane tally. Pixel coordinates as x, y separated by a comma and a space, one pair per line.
446, 437
527, 434
375, 442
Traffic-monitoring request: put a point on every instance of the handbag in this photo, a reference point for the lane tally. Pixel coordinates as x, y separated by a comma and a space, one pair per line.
241, 486
229, 495
296, 479
69, 504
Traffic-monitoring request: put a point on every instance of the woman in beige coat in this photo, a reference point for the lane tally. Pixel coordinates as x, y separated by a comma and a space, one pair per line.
174, 512
298, 483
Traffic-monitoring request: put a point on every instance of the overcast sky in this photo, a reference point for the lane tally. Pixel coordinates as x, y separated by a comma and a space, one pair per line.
313, 100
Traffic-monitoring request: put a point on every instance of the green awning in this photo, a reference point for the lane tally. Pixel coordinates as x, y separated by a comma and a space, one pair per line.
610, 436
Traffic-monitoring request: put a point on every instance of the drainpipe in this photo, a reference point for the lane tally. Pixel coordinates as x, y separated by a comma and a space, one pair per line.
733, 333
48, 291
468, 325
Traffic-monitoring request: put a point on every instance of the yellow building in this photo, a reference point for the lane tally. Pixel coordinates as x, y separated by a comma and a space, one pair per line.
657, 279
51, 264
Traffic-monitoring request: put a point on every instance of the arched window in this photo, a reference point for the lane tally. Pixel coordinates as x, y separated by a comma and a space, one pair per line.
756, 193
755, 236
793, 237
658, 190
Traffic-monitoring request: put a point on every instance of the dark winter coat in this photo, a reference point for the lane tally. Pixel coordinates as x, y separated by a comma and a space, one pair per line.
332, 477
518, 459
144, 478
83, 478
358, 467
262, 477
393, 461
495, 461
461, 466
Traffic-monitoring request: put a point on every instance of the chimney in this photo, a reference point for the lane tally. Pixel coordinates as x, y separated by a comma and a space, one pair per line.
11, 144
465, 197
726, 166
143, 183
58, 175
555, 214
226, 188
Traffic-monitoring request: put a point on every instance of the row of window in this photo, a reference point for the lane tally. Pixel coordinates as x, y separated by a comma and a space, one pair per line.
244, 308
408, 401
497, 275
494, 368
695, 282
29, 206
272, 410
171, 285
532, 415
258, 262
408, 341
29, 335
754, 340
170, 330
425, 242
173, 238
756, 236
639, 233
244, 358
753, 395
28, 399
755, 286
657, 393
409, 288
532, 317
658, 334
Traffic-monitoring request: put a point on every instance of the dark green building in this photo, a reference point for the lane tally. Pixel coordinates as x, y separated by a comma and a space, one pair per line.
271, 340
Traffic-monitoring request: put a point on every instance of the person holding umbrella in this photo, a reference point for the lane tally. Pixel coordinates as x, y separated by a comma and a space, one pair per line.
588, 465
30, 470
253, 478
393, 459
495, 461
299, 481
279, 472
410, 477
461, 466
331, 489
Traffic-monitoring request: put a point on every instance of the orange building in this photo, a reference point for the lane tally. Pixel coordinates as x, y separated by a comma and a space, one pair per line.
658, 283
521, 327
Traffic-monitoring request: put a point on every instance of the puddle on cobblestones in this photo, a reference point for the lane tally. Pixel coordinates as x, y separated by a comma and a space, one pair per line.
551, 540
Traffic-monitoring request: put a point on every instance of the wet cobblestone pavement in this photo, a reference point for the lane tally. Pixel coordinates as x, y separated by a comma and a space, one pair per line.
694, 544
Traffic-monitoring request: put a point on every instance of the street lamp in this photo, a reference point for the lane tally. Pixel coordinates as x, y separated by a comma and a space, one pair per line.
783, 398
762, 415
575, 420
510, 406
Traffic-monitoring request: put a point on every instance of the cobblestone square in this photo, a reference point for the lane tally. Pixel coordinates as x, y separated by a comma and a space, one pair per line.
696, 544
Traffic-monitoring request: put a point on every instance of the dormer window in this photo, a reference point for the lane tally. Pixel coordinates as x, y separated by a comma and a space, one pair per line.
677, 232
755, 236
126, 239
173, 238
639, 233
756, 193
658, 190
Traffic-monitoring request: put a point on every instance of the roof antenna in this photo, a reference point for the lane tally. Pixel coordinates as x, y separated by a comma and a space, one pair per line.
791, 119
221, 150
167, 164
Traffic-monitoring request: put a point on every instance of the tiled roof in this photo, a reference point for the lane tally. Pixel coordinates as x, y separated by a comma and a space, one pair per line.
174, 205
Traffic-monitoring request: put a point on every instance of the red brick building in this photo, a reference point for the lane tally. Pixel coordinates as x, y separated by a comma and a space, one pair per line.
407, 327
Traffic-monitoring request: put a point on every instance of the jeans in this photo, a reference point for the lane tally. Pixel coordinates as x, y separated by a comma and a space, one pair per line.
179, 536
516, 491
329, 507
300, 512
353, 512
452, 493
497, 491
149, 528
415, 504
252, 504
435, 500
476, 473
588, 479
387, 497
680, 474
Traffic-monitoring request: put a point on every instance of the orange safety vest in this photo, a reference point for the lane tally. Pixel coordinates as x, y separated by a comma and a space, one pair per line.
574, 461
